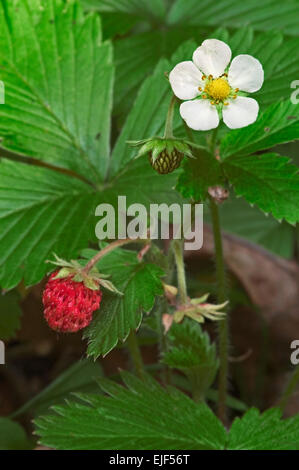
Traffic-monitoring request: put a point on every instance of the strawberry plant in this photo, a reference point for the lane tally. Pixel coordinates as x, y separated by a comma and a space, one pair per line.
112, 110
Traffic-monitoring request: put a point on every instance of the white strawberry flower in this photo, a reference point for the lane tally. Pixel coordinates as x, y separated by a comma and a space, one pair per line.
213, 90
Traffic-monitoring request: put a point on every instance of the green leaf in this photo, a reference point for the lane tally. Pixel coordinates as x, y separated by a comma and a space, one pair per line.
276, 125
10, 313
189, 346
58, 85
117, 24
152, 11
241, 41
266, 15
198, 175
139, 282
80, 377
267, 180
13, 436
135, 59
264, 431
239, 218
191, 352
142, 416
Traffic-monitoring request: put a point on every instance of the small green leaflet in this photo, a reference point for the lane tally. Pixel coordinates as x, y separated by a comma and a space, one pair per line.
267, 180
140, 283
191, 351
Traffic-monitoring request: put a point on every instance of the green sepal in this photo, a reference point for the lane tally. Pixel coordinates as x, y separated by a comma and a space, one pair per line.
64, 272
78, 278
90, 283
60, 262
92, 279
156, 145
108, 285
158, 148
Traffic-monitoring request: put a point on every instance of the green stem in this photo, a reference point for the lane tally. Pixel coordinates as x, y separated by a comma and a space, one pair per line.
178, 249
169, 119
290, 388
223, 330
163, 307
108, 248
135, 353
223, 327
213, 141
162, 342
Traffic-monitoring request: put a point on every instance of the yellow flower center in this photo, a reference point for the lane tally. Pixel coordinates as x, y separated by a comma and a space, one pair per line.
218, 89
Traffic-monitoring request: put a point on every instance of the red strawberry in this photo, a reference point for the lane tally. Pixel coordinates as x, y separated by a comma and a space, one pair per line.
69, 305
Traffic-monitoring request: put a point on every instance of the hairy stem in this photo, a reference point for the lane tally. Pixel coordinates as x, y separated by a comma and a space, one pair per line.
162, 341
135, 353
112, 246
169, 119
289, 390
213, 141
223, 330
223, 325
178, 249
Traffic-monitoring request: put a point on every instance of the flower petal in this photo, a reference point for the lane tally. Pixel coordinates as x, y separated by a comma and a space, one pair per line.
212, 57
199, 115
240, 112
185, 79
246, 73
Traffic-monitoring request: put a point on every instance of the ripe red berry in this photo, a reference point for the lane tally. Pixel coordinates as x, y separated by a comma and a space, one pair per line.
68, 305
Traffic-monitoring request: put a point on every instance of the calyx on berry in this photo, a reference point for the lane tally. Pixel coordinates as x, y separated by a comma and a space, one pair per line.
91, 279
165, 154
